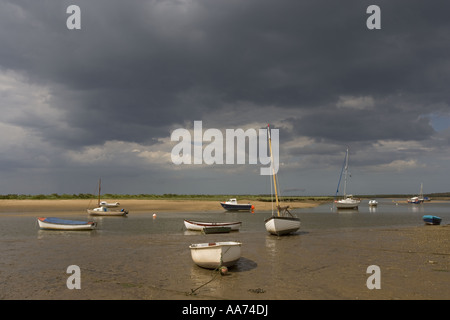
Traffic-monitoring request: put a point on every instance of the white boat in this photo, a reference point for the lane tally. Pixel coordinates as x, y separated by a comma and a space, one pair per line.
419, 199
284, 222
109, 205
348, 202
282, 225
104, 211
373, 203
103, 207
216, 254
200, 226
62, 224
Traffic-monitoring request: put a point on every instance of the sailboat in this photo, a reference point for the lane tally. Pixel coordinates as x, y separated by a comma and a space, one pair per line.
284, 222
348, 202
103, 208
419, 199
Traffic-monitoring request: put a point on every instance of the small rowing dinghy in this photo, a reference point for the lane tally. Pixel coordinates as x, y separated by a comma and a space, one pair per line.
199, 225
216, 254
432, 220
62, 224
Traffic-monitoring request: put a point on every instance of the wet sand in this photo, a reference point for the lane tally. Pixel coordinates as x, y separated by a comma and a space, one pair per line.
310, 264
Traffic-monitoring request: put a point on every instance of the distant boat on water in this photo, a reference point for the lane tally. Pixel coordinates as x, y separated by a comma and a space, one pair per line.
373, 203
109, 205
432, 220
418, 199
103, 208
348, 202
284, 222
51, 223
233, 205
414, 200
104, 211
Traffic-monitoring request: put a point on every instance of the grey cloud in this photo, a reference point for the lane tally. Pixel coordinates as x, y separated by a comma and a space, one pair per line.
137, 69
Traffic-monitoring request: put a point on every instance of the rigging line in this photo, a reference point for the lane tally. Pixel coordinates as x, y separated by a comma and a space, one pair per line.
271, 191
216, 271
340, 177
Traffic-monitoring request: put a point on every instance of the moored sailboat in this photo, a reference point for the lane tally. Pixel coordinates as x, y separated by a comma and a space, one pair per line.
348, 202
103, 208
284, 222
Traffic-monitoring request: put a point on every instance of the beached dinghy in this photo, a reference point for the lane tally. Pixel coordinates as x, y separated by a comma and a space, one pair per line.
216, 254
284, 222
200, 226
432, 220
62, 224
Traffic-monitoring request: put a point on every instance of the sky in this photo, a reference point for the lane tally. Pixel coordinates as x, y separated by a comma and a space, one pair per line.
102, 101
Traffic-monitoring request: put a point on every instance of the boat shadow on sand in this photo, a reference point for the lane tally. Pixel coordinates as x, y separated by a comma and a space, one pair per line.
243, 265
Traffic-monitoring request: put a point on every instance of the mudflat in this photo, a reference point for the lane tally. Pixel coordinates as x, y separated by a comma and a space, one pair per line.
414, 263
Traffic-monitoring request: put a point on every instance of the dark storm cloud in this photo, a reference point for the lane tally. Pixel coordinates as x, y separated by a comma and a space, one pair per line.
137, 68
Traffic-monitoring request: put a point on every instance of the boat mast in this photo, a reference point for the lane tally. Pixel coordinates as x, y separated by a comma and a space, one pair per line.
345, 177
99, 189
273, 171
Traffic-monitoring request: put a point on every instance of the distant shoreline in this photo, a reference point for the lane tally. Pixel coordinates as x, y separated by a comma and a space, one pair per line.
205, 197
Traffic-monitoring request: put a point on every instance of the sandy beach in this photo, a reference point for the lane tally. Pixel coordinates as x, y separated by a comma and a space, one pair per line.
64, 207
414, 262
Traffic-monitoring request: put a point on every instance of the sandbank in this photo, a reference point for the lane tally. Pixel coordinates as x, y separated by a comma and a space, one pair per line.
64, 207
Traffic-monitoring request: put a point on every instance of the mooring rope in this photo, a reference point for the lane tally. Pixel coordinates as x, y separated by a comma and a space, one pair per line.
216, 271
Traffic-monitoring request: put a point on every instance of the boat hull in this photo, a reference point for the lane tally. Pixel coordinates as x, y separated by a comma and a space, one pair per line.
236, 207
282, 225
216, 254
346, 204
415, 200
61, 224
432, 220
95, 212
199, 226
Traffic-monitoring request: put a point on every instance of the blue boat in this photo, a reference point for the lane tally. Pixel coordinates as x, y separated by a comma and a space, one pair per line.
232, 205
433, 220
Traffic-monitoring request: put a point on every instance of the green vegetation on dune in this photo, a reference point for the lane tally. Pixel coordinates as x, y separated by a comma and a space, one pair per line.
167, 196
173, 196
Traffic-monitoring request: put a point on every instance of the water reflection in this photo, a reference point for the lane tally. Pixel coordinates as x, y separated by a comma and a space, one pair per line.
49, 234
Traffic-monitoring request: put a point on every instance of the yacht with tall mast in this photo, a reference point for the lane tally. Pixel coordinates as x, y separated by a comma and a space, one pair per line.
348, 202
283, 222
